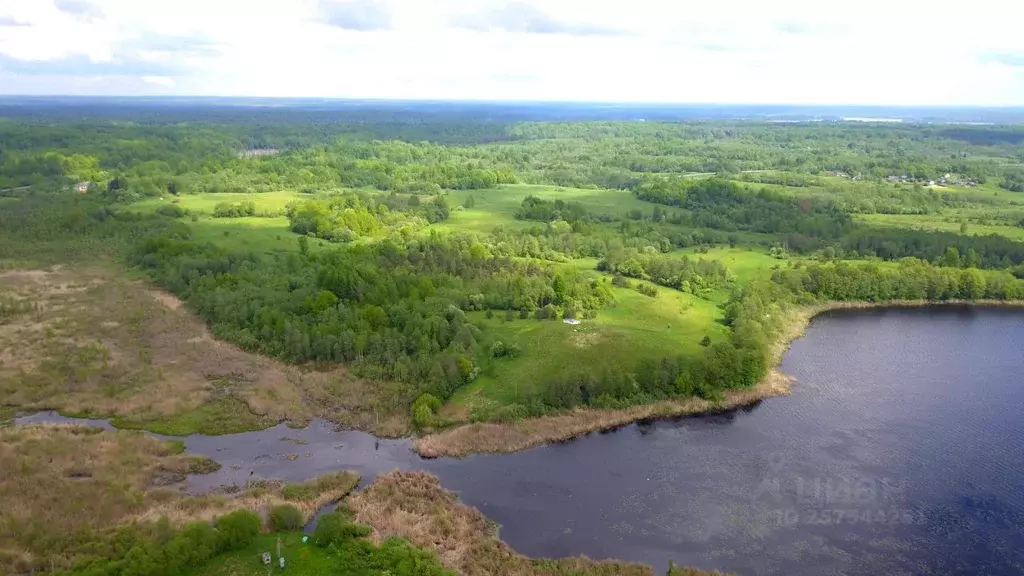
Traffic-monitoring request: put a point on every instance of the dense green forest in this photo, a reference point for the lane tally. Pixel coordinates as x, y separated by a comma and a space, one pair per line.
425, 252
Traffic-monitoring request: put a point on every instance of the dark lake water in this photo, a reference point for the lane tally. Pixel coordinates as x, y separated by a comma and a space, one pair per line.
901, 451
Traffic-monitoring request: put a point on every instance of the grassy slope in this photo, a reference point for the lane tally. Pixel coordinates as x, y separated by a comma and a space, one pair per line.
672, 323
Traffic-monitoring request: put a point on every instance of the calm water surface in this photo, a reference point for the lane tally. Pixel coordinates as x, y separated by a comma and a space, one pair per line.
901, 451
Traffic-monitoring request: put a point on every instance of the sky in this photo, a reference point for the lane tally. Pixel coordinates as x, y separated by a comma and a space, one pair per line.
884, 52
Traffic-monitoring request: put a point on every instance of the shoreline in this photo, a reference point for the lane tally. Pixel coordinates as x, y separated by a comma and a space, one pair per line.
495, 438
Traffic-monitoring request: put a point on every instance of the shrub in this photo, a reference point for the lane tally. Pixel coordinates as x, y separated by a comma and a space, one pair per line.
286, 517
303, 491
424, 411
334, 528
501, 350
621, 282
193, 546
647, 290
237, 530
171, 211
202, 465
498, 349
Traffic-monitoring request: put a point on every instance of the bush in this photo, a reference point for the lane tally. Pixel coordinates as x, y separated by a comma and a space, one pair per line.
234, 210
302, 491
501, 350
237, 530
424, 411
192, 547
334, 528
647, 290
171, 211
286, 517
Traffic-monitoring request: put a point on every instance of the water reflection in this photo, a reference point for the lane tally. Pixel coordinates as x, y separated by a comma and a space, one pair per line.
901, 451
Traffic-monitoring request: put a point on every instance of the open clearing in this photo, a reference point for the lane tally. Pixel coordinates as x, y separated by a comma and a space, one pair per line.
673, 323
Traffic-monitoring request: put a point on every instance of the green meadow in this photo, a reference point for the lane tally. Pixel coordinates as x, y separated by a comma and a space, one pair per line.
205, 203
671, 324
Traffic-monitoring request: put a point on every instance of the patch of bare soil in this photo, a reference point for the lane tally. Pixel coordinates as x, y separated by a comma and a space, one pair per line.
169, 301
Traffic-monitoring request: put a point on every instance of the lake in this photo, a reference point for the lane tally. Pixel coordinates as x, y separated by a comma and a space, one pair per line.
900, 451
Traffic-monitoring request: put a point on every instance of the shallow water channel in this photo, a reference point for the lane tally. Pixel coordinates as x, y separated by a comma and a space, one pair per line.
901, 451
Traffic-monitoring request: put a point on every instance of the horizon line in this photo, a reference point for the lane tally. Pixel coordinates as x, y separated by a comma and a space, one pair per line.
515, 101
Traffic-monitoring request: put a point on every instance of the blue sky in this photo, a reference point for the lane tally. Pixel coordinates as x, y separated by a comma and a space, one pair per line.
910, 52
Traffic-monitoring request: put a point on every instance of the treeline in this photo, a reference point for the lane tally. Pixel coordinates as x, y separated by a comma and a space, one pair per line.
943, 248
534, 208
808, 226
724, 205
1014, 182
403, 152
911, 279
559, 241
679, 272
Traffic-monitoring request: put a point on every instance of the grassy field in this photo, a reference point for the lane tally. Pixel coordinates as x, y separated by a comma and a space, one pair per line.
205, 203
943, 223
745, 263
673, 323
261, 235
497, 206
266, 234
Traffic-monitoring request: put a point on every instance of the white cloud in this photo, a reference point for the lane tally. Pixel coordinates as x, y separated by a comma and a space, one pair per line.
159, 81
787, 51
